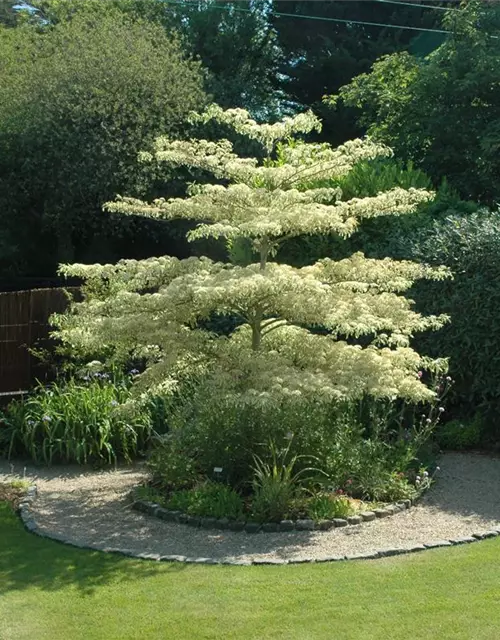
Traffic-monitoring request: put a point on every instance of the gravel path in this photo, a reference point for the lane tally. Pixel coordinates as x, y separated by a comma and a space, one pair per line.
92, 509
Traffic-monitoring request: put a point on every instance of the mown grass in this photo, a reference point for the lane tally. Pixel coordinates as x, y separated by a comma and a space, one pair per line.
49, 591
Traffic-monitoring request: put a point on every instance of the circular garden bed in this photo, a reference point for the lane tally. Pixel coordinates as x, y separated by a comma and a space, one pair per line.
357, 517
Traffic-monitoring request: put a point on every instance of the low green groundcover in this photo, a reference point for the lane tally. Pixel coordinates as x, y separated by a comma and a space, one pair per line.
217, 500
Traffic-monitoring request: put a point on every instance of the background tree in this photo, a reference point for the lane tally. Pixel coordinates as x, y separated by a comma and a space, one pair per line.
236, 43
48, 13
319, 55
265, 56
77, 102
441, 112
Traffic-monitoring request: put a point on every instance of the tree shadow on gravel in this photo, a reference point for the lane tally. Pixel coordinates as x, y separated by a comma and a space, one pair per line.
118, 526
32, 472
468, 485
27, 560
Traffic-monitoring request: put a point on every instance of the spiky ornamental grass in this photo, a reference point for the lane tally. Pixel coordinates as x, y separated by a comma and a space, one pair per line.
152, 308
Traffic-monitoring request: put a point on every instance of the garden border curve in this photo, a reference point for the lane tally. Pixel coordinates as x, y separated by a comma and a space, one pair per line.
28, 519
250, 526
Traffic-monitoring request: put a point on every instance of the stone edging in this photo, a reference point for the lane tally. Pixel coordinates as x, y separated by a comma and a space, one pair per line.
155, 510
29, 522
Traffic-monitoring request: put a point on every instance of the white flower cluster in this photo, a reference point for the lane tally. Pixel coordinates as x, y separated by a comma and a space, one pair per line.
242, 211
298, 164
267, 134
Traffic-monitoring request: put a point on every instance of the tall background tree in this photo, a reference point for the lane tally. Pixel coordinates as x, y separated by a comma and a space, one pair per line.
443, 112
325, 44
237, 44
78, 100
275, 56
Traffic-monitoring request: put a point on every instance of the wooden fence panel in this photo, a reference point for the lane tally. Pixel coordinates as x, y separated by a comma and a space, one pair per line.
24, 324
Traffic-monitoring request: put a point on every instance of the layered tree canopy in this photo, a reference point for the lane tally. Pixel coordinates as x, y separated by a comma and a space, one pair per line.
330, 330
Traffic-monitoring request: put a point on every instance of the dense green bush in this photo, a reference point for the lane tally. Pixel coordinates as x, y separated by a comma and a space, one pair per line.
288, 460
470, 246
353, 446
76, 421
78, 101
461, 434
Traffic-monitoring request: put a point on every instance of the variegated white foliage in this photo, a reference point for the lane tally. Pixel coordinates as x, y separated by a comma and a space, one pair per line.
153, 308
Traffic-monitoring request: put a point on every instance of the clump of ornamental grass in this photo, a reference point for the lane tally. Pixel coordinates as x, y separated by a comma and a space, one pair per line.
77, 420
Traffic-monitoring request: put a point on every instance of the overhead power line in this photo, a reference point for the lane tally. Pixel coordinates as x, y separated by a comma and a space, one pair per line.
324, 19
420, 6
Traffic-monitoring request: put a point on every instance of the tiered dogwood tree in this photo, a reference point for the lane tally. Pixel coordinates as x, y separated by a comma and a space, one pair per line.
153, 308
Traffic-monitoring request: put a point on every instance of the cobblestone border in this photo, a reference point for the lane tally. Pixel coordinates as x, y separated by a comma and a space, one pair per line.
155, 510
29, 522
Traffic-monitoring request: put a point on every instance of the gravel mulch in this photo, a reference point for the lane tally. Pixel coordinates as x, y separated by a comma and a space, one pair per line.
92, 508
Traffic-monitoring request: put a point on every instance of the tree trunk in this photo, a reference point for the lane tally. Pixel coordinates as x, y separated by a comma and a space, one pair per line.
65, 246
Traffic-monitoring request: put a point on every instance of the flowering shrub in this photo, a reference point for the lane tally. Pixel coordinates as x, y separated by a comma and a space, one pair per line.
153, 308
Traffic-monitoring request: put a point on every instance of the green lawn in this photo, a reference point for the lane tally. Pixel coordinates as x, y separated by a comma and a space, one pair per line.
50, 591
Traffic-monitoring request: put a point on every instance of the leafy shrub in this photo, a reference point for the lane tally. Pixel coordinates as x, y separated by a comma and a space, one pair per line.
470, 246
362, 442
211, 499
460, 434
326, 506
149, 494
170, 466
220, 433
374, 472
389, 486
76, 422
366, 446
